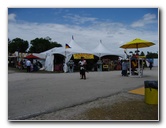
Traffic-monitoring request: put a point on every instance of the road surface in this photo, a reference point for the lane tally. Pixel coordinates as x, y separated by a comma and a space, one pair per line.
31, 94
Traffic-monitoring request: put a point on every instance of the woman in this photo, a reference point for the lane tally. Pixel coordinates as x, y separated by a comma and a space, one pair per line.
82, 64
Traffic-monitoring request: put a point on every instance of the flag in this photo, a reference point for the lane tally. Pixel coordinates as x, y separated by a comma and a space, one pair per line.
67, 46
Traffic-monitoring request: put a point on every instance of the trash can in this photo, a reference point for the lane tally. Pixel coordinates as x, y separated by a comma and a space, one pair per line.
151, 92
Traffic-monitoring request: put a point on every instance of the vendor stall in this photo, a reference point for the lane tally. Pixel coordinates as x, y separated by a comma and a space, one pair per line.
136, 66
135, 61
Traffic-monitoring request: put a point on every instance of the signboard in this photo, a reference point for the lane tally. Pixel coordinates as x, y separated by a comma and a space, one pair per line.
86, 56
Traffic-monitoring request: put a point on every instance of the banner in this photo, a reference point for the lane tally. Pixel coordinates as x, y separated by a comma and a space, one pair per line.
86, 56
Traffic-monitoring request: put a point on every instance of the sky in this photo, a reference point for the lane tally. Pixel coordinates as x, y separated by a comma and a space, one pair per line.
113, 26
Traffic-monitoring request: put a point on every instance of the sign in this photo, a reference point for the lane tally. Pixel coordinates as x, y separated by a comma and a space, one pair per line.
86, 56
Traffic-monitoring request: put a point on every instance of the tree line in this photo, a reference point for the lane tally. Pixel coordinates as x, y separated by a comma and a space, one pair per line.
150, 54
37, 45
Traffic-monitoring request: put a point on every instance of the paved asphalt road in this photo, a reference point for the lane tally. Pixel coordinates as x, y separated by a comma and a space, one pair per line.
31, 94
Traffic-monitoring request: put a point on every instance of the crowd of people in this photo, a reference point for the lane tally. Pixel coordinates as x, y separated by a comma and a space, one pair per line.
133, 64
29, 65
35, 65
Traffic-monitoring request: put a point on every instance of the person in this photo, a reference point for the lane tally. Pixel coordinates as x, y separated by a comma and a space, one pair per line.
150, 65
71, 66
124, 68
82, 64
31, 67
28, 64
35, 67
144, 64
39, 64
22, 64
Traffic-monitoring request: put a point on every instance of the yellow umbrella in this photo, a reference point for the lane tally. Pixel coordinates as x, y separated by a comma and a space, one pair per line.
137, 43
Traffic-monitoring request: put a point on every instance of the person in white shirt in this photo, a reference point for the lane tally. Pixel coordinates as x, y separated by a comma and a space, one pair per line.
28, 64
82, 64
125, 67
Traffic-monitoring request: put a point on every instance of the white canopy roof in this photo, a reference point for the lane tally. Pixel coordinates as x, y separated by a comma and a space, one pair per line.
101, 50
75, 48
56, 50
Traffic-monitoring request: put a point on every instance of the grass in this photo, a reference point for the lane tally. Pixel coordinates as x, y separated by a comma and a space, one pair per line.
126, 110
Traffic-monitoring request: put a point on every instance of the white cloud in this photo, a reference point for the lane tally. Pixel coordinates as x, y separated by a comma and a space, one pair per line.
147, 19
12, 17
77, 19
113, 35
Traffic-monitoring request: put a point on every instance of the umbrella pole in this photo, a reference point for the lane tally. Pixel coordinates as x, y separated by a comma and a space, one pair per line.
137, 47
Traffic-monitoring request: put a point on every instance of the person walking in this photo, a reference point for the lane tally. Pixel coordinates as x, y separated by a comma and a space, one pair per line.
28, 64
150, 65
82, 64
124, 68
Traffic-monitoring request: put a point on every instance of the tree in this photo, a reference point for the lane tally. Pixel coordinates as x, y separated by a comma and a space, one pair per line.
17, 44
9, 41
42, 44
151, 55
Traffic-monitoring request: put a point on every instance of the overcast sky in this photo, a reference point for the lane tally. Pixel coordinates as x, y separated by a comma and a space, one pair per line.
114, 26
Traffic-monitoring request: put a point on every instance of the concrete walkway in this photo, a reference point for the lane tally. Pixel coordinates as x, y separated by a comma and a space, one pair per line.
31, 94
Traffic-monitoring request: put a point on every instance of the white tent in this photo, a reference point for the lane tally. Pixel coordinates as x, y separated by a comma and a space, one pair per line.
101, 50
75, 48
49, 62
67, 52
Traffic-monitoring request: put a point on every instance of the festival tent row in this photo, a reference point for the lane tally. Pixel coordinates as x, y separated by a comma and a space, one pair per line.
70, 49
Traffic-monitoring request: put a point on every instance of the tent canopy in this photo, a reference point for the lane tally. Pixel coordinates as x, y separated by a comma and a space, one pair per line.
75, 48
101, 50
55, 50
